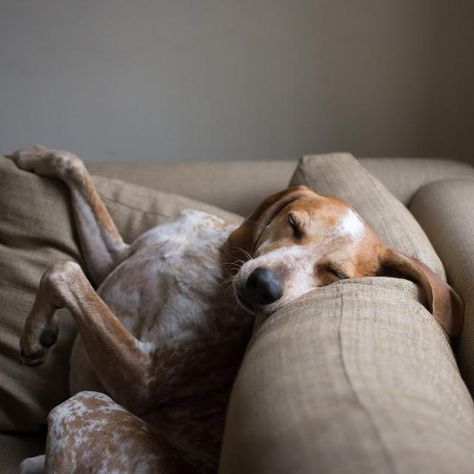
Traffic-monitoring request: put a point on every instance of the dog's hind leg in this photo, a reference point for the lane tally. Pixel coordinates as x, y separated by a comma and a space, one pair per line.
102, 246
91, 433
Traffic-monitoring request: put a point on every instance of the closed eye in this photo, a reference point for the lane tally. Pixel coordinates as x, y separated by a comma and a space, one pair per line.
295, 226
338, 273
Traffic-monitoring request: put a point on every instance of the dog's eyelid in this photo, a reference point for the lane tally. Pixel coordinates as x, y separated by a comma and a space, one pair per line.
338, 273
295, 225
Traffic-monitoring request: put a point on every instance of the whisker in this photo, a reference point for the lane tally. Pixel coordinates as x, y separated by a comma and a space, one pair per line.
234, 262
246, 253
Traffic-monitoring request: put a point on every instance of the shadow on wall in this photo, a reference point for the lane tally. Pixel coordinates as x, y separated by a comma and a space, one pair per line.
225, 80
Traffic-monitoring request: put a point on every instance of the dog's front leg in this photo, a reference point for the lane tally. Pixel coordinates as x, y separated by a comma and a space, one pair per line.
121, 362
102, 246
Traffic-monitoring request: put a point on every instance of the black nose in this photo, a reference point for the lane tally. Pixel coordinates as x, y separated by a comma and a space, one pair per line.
263, 286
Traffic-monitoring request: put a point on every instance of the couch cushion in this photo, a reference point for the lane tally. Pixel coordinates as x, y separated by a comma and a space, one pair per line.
355, 377
445, 211
342, 175
404, 176
36, 231
233, 185
239, 185
136, 208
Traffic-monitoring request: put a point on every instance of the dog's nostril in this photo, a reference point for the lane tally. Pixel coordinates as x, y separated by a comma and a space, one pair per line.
263, 286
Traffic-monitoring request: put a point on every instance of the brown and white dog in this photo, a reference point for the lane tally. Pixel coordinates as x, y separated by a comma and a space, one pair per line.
165, 331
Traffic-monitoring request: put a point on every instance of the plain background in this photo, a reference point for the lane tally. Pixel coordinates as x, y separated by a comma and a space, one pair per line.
236, 79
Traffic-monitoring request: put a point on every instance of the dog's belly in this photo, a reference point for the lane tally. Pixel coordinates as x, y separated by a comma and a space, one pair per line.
170, 293
165, 287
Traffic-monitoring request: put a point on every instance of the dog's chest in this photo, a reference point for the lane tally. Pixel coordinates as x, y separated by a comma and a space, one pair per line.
173, 281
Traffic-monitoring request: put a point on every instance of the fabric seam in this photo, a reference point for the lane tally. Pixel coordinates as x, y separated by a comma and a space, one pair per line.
305, 176
105, 198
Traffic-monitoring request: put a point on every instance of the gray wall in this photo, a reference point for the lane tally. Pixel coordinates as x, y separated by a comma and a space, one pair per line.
237, 79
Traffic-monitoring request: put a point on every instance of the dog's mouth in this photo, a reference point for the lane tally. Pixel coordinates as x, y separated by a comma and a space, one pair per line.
245, 303
250, 306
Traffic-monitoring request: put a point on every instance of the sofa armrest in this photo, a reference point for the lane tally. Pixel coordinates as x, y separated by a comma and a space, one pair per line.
445, 210
354, 377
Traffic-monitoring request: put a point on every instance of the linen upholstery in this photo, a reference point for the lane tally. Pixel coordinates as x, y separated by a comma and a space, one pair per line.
36, 231
445, 211
135, 209
355, 377
238, 185
404, 176
342, 175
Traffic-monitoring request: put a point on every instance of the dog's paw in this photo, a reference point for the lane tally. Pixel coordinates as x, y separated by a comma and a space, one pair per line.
46, 161
32, 359
33, 351
29, 158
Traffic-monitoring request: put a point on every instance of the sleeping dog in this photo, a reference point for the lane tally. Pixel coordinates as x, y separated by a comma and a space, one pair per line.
162, 335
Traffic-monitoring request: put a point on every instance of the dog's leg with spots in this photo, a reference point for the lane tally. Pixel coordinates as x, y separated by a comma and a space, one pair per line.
120, 360
91, 433
102, 246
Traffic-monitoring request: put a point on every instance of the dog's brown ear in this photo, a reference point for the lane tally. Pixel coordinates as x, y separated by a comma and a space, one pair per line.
444, 303
242, 241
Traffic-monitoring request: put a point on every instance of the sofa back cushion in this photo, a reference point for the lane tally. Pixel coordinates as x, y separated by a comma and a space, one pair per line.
36, 230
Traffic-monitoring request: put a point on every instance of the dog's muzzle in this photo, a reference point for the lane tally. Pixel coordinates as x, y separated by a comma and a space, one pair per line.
262, 288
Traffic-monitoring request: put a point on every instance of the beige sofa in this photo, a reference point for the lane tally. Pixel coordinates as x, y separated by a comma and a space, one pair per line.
356, 414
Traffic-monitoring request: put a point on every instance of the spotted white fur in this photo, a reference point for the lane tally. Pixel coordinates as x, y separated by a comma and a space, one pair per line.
351, 224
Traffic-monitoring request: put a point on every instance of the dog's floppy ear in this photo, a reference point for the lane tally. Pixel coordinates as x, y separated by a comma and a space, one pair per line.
444, 303
242, 240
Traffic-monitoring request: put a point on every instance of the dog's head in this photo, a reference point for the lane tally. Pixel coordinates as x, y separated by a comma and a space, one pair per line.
297, 240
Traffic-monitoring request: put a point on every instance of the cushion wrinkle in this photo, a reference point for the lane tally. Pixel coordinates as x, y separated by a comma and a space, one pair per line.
132, 208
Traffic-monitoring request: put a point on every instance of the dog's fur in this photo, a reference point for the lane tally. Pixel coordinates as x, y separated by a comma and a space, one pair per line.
165, 331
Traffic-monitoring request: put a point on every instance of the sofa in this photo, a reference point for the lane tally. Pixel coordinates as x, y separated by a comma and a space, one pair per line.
355, 377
